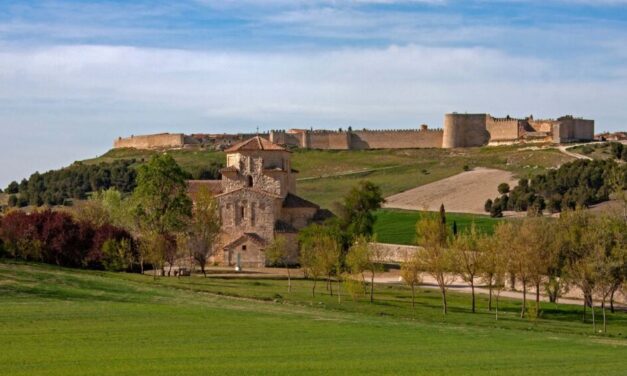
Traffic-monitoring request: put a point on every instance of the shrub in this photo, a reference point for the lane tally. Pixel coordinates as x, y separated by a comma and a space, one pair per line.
503, 188
488, 205
56, 238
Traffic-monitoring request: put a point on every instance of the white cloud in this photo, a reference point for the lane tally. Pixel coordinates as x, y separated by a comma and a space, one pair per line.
81, 97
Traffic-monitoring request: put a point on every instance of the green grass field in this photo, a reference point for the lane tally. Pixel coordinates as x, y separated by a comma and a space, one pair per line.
393, 170
57, 321
396, 226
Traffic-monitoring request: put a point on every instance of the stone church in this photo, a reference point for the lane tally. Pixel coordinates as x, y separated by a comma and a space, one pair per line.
258, 202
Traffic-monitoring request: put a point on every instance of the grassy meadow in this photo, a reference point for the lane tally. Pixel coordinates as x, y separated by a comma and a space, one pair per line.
326, 176
397, 226
58, 321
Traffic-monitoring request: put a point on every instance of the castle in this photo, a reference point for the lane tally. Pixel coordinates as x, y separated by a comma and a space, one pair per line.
459, 130
257, 202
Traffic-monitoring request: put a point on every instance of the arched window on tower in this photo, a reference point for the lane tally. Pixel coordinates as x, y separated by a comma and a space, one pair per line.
249, 181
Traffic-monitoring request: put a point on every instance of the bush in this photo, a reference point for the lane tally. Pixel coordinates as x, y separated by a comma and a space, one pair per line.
616, 149
503, 188
488, 205
13, 188
466, 168
12, 201
76, 181
578, 183
56, 238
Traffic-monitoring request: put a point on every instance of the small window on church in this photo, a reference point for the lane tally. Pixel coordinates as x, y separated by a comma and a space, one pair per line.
242, 212
243, 248
250, 181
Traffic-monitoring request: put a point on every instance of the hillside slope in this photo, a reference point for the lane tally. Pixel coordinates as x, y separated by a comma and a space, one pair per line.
325, 176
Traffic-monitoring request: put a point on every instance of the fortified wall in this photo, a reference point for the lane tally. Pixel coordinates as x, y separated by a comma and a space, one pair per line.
179, 140
359, 140
155, 141
460, 130
467, 130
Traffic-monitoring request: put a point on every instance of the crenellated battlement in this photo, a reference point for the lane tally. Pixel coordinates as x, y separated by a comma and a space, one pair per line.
459, 130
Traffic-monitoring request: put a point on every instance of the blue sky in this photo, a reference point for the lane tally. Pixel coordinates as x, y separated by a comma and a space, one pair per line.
76, 74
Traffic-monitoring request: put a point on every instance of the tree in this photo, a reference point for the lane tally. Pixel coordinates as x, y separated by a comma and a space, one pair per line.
364, 255
277, 253
493, 270
317, 244
356, 213
411, 274
435, 256
488, 205
503, 188
13, 188
467, 258
160, 202
117, 254
536, 233
576, 240
203, 228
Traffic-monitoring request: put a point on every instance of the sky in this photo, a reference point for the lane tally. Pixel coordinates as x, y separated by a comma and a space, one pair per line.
74, 75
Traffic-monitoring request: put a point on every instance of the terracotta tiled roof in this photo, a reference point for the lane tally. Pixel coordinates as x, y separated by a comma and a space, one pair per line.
255, 143
194, 187
293, 201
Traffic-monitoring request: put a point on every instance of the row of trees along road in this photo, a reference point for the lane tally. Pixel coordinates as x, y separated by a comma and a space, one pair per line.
580, 249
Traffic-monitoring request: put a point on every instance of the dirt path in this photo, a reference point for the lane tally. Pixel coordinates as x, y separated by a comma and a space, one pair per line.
564, 149
463, 193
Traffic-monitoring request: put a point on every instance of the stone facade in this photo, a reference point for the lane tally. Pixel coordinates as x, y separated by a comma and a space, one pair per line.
359, 140
257, 202
155, 141
468, 130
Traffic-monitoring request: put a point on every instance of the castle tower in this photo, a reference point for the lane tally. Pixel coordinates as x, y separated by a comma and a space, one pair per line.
259, 164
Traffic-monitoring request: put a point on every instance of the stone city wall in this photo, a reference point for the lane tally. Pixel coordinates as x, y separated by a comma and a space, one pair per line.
396, 139
503, 129
155, 141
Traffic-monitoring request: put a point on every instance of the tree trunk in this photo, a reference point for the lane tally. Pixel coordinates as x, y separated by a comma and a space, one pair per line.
289, 280
202, 269
524, 302
490, 297
444, 306
313, 290
141, 264
604, 321
594, 324
472, 288
330, 284
512, 281
537, 299
339, 289
413, 300
585, 303
372, 287
497, 306
612, 299
363, 281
